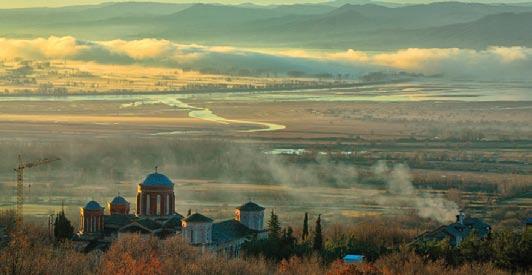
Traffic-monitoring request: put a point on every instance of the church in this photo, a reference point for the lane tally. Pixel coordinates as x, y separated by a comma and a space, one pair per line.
155, 214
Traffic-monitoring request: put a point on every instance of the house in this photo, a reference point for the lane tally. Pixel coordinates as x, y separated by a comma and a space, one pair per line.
458, 231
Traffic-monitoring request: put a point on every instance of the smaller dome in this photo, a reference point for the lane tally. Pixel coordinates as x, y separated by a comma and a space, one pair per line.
92, 205
119, 200
157, 179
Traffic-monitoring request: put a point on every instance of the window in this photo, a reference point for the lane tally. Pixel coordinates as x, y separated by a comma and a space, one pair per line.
158, 205
148, 204
167, 211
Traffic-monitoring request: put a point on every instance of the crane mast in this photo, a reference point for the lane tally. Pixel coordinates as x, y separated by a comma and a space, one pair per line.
20, 184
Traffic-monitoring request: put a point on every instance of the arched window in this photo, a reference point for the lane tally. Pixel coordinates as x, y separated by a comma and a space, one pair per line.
158, 205
140, 205
167, 210
148, 204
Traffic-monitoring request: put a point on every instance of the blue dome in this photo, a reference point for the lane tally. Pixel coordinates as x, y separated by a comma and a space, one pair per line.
92, 205
119, 200
157, 179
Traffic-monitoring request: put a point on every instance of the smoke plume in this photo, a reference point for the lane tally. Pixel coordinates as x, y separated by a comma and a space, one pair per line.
399, 183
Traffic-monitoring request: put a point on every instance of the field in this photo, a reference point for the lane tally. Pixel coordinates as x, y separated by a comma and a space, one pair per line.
295, 151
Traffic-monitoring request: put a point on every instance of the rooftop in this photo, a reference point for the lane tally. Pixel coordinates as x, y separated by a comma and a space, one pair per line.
117, 221
250, 206
93, 205
157, 179
458, 230
148, 223
229, 230
197, 217
174, 222
119, 200
353, 258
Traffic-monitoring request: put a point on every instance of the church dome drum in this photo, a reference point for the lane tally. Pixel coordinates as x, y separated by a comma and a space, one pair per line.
119, 206
155, 196
91, 217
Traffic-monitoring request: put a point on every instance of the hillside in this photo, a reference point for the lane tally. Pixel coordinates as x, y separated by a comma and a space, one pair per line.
367, 26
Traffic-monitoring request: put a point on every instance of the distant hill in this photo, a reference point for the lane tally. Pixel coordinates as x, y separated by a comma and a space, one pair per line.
339, 3
365, 26
35, 17
505, 29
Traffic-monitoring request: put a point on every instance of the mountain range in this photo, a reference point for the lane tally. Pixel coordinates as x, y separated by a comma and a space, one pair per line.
333, 25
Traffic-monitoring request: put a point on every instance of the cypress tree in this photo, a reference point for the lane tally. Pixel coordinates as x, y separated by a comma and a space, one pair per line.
189, 212
290, 239
318, 238
274, 227
304, 235
63, 229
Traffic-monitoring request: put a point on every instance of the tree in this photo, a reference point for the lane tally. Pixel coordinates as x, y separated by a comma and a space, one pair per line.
318, 238
288, 237
63, 229
274, 227
304, 235
476, 249
189, 212
512, 250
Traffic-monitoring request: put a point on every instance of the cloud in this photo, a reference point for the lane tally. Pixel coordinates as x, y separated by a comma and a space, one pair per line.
493, 62
142, 49
41, 48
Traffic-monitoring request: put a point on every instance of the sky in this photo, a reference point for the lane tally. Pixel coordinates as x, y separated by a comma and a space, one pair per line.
56, 3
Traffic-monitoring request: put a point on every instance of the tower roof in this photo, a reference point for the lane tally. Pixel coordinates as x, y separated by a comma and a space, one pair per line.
157, 179
119, 200
250, 206
197, 217
93, 205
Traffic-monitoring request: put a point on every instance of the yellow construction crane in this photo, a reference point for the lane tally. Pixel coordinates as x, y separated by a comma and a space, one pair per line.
20, 183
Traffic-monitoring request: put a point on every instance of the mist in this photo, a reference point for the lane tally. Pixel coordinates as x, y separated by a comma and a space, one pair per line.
505, 63
98, 169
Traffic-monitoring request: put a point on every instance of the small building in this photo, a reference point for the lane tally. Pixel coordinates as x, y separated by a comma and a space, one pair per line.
353, 259
458, 231
251, 215
197, 229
